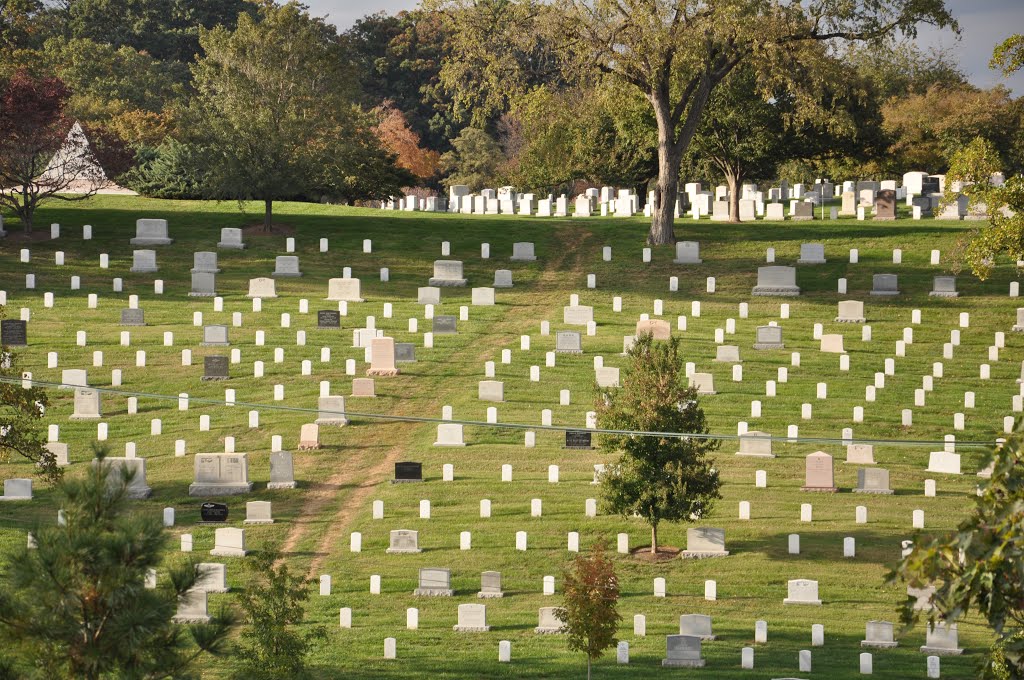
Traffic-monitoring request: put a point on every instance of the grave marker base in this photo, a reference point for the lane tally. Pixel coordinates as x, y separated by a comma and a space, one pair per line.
447, 283
219, 489
471, 629
703, 555
281, 485
820, 489
879, 645
433, 592
681, 663
941, 651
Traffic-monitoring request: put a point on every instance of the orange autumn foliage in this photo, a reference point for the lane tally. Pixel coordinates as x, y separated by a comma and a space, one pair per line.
396, 136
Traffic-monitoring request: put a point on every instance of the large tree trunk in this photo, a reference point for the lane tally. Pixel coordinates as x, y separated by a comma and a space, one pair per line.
654, 539
268, 215
670, 155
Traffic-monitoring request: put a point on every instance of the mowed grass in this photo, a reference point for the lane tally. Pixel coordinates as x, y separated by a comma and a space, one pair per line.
338, 483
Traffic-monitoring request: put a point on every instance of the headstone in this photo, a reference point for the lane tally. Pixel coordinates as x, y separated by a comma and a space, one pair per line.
490, 585
447, 273
687, 252
151, 232
683, 651
522, 252
87, 404
819, 473
403, 541
445, 324
754, 443
258, 512
382, 357
769, 337
941, 640
811, 253
472, 619
286, 266
697, 625
885, 205
282, 474
776, 281
879, 634
873, 480
434, 582
850, 311
229, 542
262, 288
802, 591
704, 542
568, 342
408, 471
231, 239
215, 336
884, 284
344, 290
133, 317
220, 474
215, 368
13, 332
944, 286
578, 439
548, 621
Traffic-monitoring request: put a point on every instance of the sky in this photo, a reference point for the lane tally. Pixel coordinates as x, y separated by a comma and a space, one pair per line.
984, 23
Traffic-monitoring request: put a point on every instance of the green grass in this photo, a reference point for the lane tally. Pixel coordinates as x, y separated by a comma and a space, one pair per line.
338, 483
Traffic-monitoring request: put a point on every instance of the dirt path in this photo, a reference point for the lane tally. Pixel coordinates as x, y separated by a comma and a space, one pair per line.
353, 472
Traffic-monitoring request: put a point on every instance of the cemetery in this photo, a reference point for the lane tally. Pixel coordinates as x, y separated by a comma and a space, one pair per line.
237, 398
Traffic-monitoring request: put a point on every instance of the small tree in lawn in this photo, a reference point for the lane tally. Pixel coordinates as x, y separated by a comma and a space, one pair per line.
977, 566
34, 163
77, 606
273, 606
21, 419
661, 478
590, 611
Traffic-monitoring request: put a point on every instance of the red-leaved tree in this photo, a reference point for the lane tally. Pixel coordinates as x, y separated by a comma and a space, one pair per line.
35, 164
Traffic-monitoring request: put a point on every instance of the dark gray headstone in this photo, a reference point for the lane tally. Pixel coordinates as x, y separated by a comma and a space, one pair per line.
213, 512
215, 368
14, 332
408, 472
405, 352
444, 324
327, 318
133, 317
577, 439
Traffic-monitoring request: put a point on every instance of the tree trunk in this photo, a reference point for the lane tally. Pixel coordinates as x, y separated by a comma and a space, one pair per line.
670, 155
732, 181
654, 539
268, 215
588, 666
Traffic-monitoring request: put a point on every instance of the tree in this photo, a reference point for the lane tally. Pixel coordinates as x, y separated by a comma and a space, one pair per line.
275, 100
676, 52
1008, 55
167, 29
589, 610
76, 605
661, 477
603, 134
928, 129
21, 416
978, 566
398, 59
475, 160
33, 129
397, 136
273, 606
972, 169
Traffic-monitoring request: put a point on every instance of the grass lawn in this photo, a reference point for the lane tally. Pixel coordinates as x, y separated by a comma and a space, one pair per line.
338, 483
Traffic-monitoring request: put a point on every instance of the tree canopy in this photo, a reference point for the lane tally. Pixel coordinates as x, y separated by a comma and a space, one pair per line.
659, 477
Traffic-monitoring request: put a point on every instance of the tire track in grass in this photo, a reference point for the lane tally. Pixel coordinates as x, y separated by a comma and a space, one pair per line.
353, 472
